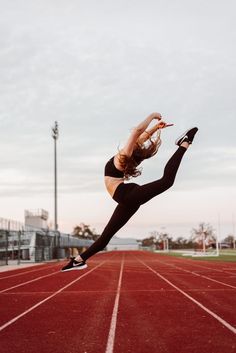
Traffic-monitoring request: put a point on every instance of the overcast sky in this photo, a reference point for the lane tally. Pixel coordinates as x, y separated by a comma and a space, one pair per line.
99, 68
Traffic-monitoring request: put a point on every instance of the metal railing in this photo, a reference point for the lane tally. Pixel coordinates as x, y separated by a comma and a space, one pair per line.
37, 245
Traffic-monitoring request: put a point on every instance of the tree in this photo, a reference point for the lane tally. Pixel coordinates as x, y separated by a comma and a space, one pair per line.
156, 240
83, 231
230, 240
151, 241
204, 235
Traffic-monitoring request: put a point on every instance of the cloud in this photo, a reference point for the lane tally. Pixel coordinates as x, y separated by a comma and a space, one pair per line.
98, 74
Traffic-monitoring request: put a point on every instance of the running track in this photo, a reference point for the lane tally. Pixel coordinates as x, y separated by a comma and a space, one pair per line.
124, 302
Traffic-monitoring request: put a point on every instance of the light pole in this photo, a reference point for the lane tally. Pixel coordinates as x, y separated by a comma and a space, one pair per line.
55, 135
233, 222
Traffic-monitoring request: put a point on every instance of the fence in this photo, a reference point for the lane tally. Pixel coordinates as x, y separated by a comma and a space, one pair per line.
37, 245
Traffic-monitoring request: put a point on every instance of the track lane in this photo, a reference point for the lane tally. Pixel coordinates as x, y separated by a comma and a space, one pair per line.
152, 316
14, 282
195, 273
215, 275
164, 321
75, 320
21, 271
219, 301
28, 295
184, 292
34, 268
218, 267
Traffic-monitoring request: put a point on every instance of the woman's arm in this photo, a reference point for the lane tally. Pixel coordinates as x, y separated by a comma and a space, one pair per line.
148, 133
136, 132
145, 123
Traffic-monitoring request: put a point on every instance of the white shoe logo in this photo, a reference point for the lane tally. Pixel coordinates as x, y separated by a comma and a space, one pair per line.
74, 265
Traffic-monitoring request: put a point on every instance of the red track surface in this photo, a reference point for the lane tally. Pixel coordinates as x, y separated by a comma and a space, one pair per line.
124, 302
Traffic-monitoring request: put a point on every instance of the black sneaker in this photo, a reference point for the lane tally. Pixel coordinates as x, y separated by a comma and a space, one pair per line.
74, 265
188, 136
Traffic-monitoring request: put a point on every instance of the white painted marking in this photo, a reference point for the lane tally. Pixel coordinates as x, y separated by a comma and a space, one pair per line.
218, 318
46, 299
228, 269
112, 331
32, 280
197, 274
26, 272
206, 267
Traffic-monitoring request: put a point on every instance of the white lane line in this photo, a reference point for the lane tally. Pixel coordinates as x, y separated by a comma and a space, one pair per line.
218, 318
198, 290
44, 267
112, 331
197, 274
228, 269
30, 281
46, 299
205, 267
26, 272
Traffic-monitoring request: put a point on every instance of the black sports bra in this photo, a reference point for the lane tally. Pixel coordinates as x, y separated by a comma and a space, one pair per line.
112, 171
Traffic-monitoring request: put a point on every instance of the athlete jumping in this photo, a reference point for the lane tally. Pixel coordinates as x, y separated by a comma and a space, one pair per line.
142, 144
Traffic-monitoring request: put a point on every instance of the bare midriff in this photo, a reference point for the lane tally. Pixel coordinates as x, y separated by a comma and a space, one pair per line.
112, 183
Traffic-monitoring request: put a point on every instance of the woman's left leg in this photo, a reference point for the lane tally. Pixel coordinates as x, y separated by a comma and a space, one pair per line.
120, 217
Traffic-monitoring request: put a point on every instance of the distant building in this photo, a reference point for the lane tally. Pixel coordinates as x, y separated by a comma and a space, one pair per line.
35, 241
123, 244
37, 218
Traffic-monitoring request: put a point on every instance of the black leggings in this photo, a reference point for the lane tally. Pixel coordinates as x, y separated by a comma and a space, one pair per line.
130, 197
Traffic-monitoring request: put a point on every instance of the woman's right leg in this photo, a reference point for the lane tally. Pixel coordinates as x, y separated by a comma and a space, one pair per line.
120, 217
144, 193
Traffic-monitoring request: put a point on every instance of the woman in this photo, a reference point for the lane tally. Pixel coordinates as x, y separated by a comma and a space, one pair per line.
141, 145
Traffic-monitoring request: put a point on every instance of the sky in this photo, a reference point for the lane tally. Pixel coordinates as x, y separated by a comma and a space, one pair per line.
99, 68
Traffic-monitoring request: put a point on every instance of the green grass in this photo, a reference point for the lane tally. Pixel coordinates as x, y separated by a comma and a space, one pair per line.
225, 256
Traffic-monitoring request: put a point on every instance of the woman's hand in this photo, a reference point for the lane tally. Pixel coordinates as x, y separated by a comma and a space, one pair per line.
162, 124
155, 116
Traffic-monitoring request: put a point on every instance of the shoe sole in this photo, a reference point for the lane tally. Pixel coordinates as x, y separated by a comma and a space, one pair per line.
75, 268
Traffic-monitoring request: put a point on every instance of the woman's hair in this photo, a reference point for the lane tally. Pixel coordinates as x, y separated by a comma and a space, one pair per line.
141, 151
